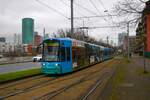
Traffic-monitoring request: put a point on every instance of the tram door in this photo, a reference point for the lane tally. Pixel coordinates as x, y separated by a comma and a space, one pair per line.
67, 64
74, 58
68, 58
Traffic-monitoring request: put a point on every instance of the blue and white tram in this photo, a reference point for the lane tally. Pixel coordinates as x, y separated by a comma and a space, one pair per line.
64, 55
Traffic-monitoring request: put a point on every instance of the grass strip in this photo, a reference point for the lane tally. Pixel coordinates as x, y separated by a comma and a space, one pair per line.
18, 75
118, 80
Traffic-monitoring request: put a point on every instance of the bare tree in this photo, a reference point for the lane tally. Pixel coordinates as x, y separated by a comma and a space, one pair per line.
54, 35
130, 9
78, 34
61, 33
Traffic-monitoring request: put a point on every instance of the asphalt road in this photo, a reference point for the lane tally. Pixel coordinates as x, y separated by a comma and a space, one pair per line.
19, 66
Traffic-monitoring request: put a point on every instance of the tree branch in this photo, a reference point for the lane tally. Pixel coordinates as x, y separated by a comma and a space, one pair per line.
142, 1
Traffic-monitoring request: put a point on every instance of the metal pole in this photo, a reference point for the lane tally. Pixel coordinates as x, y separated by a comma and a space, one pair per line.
128, 40
107, 41
44, 34
83, 30
144, 62
72, 27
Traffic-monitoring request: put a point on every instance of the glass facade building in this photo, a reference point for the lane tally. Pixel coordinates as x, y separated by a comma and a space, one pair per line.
27, 31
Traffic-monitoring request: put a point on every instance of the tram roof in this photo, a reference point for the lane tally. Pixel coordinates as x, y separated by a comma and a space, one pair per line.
70, 39
58, 39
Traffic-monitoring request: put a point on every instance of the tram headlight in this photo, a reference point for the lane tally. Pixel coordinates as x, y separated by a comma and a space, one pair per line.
56, 64
43, 64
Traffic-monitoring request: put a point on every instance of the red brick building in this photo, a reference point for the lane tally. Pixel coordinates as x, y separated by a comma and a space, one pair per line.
37, 40
148, 33
143, 30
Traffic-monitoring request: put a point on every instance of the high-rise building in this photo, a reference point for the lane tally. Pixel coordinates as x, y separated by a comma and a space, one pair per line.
27, 31
17, 39
121, 37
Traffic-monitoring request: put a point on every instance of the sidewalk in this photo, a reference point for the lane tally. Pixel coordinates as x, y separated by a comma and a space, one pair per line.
129, 82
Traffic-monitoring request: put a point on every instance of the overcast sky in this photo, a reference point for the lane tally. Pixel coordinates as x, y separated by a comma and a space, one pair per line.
12, 12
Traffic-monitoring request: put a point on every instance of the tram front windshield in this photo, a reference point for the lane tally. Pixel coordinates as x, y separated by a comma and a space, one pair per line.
51, 50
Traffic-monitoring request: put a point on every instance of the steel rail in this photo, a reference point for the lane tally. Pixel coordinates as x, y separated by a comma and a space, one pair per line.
53, 94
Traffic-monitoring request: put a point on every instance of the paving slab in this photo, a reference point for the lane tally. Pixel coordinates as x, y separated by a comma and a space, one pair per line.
129, 82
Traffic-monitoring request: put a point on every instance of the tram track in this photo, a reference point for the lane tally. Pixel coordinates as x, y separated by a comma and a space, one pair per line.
52, 81
63, 89
97, 84
53, 94
7, 85
25, 89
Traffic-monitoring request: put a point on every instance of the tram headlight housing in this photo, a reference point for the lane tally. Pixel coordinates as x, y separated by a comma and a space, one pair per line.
56, 64
43, 64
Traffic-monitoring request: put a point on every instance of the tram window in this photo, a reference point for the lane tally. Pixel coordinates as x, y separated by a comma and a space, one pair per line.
68, 53
62, 54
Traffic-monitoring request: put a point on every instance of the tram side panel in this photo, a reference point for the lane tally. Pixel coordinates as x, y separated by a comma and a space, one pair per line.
66, 66
78, 55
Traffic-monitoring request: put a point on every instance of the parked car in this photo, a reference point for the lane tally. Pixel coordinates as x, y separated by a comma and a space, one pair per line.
37, 58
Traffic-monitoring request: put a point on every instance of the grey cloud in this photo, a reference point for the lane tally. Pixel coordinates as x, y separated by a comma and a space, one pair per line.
12, 12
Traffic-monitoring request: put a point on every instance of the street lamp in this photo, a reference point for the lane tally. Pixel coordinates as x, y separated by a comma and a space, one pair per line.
128, 40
